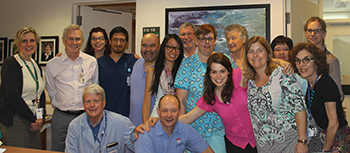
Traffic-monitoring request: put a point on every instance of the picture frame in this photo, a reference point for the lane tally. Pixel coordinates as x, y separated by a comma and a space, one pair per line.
255, 18
3, 49
47, 49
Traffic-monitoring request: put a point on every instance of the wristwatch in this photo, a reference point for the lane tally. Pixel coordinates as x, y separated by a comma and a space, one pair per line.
303, 141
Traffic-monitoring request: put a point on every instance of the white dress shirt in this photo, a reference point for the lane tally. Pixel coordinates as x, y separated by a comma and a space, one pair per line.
64, 83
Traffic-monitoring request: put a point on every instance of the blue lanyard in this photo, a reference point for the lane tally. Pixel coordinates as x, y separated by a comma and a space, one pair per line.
309, 96
103, 132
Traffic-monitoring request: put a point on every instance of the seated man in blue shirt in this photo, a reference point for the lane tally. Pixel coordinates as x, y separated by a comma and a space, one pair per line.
98, 130
169, 135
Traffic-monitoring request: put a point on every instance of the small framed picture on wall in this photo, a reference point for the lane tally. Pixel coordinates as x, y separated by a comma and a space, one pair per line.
47, 49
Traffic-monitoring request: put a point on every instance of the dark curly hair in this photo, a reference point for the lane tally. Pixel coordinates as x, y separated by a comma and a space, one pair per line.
209, 86
319, 55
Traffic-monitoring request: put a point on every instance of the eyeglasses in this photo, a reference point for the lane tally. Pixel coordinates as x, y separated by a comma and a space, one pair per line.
171, 48
204, 40
306, 60
99, 38
316, 31
188, 34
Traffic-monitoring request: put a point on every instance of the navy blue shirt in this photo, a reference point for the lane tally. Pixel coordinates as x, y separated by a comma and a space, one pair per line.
113, 79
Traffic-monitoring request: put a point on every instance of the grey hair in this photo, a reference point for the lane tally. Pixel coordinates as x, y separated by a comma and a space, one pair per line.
186, 24
238, 28
73, 27
95, 89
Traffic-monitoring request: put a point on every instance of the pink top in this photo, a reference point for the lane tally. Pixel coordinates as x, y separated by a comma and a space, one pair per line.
235, 115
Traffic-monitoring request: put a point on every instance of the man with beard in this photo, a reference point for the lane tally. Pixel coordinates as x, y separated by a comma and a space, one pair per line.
115, 71
149, 51
186, 33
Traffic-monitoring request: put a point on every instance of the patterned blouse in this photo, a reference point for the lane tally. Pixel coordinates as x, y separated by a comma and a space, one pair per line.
272, 108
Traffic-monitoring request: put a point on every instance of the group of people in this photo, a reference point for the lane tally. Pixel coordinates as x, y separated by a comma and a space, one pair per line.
247, 101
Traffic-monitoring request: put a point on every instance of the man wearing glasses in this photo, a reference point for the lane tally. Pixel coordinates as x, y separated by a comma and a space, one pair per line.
98, 130
315, 32
66, 77
186, 33
115, 70
189, 87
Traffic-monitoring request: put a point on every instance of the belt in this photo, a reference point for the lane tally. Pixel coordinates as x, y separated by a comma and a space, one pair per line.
77, 113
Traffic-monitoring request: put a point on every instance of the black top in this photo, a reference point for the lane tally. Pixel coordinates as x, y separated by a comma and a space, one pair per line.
11, 100
325, 90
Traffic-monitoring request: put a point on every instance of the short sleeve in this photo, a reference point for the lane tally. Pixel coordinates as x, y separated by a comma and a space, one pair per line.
293, 93
195, 142
203, 105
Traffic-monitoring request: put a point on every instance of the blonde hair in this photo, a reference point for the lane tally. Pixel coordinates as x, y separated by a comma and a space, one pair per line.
248, 70
20, 34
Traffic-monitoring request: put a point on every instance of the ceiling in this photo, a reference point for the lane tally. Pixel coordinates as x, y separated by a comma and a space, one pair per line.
329, 6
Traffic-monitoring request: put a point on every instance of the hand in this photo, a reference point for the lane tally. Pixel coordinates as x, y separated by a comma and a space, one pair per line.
137, 56
287, 68
152, 120
37, 125
301, 148
59, 54
140, 128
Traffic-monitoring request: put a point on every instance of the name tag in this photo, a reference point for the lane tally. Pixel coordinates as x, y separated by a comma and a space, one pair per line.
38, 112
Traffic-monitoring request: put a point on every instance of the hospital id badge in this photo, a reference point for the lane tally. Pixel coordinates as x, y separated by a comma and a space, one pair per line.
311, 132
82, 77
38, 112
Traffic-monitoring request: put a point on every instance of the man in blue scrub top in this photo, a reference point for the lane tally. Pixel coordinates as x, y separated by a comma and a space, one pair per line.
115, 71
170, 135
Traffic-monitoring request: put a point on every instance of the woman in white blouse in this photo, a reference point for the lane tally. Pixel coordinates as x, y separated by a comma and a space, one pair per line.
22, 100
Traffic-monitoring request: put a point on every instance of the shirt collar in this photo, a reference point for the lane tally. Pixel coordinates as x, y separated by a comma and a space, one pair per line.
160, 131
64, 56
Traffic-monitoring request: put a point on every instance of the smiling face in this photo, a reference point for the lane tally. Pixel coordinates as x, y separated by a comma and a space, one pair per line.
257, 56
98, 41
281, 51
313, 37
172, 50
206, 47
168, 112
150, 47
27, 46
308, 70
93, 106
118, 43
218, 75
187, 36
234, 42
72, 41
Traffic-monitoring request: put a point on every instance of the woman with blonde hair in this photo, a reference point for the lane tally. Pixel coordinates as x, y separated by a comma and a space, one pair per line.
22, 99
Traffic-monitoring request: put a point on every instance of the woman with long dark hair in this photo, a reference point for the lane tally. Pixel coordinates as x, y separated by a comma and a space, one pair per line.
97, 44
226, 94
160, 79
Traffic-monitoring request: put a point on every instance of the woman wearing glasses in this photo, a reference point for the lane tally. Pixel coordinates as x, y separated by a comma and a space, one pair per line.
160, 78
315, 33
275, 101
97, 44
323, 98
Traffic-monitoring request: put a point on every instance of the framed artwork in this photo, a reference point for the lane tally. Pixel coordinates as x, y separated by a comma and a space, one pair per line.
47, 49
255, 18
3, 49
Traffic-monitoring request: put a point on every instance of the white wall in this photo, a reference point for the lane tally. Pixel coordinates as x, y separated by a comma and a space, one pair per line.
152, 13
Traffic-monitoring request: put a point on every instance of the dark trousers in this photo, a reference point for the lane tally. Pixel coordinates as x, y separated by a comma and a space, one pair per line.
231, 148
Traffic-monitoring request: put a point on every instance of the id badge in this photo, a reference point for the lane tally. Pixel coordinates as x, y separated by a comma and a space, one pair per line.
38, 112
128, 80
311, 132
82, 77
